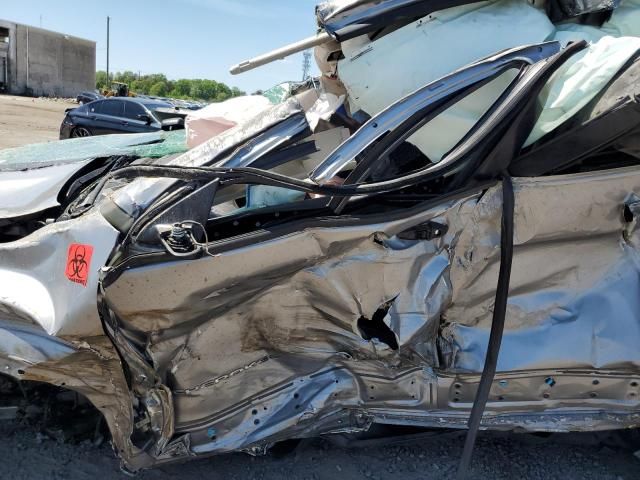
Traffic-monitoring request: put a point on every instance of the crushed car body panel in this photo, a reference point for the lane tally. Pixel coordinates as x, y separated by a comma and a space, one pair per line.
49, 278
561, 311
89, 366
281, 343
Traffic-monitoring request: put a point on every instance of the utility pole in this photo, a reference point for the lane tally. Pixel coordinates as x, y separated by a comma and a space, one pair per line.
108, 22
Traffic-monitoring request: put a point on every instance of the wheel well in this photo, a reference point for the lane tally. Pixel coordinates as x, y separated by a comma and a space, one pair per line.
62, 414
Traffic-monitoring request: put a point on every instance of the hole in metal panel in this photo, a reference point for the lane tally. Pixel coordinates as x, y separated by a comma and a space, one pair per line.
376, 328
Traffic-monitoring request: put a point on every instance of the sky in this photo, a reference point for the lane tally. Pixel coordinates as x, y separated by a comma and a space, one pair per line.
180, 38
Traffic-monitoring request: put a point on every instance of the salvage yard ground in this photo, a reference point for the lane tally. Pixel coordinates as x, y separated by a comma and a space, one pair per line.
27, 455
25, 120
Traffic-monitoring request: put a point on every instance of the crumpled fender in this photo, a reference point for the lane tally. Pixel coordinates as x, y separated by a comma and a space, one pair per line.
89, 366
50, 278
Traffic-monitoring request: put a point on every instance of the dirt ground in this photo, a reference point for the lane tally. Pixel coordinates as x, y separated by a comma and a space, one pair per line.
27, 454
25, 120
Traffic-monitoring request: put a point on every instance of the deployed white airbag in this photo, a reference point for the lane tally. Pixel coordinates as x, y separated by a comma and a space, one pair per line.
579, 80
376, 74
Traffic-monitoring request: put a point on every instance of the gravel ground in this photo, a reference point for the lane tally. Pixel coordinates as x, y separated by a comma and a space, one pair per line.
26, 454
25, 120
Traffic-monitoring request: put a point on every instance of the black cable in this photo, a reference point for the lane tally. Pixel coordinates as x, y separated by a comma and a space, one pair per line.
497, 327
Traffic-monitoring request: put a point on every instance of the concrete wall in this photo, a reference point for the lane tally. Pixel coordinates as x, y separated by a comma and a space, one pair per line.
8, 52
47, 63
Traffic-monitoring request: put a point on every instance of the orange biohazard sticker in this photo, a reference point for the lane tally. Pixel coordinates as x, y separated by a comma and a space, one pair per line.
79, 263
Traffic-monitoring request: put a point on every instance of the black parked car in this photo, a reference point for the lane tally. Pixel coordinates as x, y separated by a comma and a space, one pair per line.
88, 97
120, 115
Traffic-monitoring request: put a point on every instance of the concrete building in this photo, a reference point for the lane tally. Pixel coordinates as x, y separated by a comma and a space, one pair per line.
35, 61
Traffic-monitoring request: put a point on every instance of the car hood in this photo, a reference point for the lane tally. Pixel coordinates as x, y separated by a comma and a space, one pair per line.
32, 177
27, 192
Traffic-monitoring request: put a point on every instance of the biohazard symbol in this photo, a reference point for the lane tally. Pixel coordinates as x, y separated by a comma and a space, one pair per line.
79, 263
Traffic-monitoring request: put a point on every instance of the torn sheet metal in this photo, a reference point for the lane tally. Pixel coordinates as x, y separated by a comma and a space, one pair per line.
89, 366
568, 310
266, 341
317, 322
285, 326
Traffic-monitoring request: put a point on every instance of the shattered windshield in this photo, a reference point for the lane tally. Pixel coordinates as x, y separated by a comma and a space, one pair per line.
154, 145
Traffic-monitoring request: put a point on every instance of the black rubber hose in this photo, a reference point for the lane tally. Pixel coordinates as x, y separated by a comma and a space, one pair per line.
497, 327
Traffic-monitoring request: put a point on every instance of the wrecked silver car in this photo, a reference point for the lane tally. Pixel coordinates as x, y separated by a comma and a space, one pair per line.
324, 267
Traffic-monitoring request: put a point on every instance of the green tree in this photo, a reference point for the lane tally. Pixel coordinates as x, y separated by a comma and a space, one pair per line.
156, 78
196, 90
127, 77
101, 79
236, 92
182, 88
224, 93
210, 89
158, 84
138, 86
159, 89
